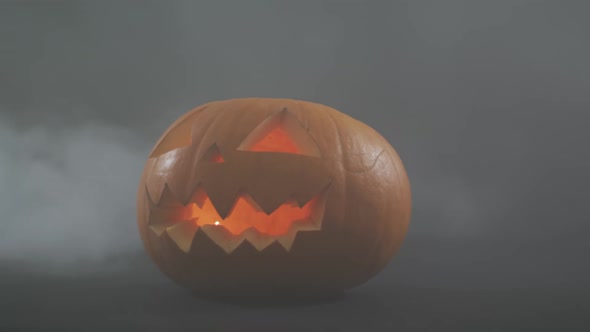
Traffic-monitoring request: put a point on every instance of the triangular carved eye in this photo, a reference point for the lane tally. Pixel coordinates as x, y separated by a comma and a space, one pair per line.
213, 155
281, 132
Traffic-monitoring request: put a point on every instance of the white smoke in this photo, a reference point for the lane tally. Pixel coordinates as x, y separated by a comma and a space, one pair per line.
68, 196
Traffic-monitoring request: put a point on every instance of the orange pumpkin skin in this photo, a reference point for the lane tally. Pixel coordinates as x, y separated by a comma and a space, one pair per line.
221, 174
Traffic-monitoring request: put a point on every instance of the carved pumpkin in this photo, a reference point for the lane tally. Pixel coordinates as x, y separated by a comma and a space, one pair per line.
272, 195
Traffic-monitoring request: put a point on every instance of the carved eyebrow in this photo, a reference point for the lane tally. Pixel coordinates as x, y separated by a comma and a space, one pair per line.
280, 132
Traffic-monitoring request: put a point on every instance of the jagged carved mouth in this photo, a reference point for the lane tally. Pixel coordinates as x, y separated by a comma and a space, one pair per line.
246, 221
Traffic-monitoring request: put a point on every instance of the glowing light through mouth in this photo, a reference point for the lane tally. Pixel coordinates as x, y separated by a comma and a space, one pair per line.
247, 214
246, 221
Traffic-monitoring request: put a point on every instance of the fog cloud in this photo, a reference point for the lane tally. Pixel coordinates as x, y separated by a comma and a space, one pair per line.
68, 195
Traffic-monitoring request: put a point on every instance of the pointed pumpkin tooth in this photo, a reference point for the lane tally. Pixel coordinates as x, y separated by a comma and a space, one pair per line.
160, 228
249, 201
223, 238
198, 196
287, 240
183, 233
317, 191
223, 199
170, 215
318, 209
257, 240
168, 199
268, 201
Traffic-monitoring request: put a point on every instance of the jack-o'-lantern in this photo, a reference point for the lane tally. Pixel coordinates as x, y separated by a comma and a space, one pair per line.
256, 195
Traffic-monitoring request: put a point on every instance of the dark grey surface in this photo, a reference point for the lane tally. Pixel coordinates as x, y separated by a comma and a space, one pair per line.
486, 102
129, 300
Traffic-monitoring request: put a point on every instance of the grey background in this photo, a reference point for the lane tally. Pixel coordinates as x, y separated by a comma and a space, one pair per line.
487, 102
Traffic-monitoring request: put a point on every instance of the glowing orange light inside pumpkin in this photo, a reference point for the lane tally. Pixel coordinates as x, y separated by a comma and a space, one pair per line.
246, 214
214, 155
277, 140
217, 157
